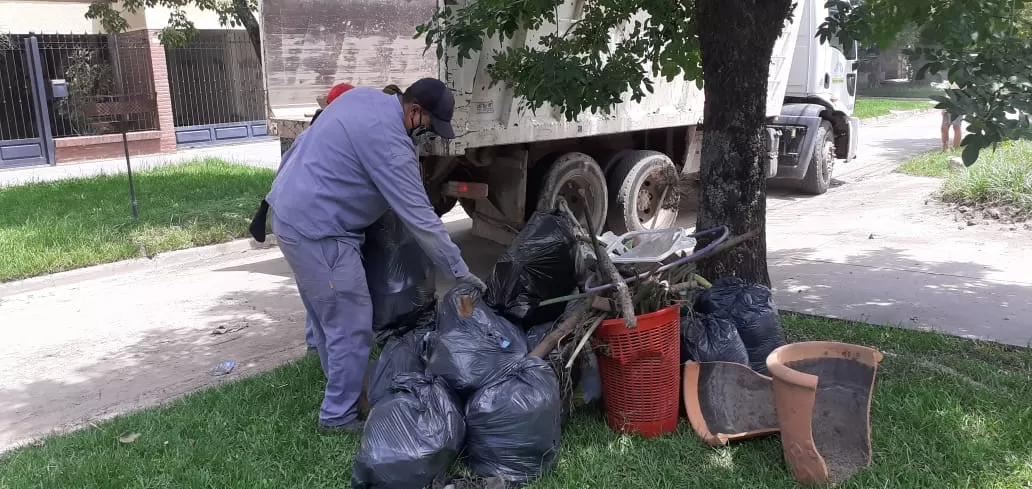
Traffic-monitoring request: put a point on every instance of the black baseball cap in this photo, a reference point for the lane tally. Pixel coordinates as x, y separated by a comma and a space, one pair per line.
437, 100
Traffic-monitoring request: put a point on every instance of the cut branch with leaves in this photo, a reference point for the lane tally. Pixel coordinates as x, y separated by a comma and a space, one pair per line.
180, 29
984, 48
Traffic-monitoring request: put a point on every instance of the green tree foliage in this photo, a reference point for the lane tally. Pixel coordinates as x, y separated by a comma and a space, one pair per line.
180, 29
984, 48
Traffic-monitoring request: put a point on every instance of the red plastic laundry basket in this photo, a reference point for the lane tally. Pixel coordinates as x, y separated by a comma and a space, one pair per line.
640, 372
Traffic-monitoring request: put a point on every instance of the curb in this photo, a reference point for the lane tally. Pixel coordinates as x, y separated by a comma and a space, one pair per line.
161, 260
895, 116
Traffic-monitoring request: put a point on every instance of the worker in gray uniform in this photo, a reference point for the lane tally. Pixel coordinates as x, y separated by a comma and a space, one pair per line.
338, 178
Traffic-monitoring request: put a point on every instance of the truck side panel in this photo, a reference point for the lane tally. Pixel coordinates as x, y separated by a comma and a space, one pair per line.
491, 116
310, 45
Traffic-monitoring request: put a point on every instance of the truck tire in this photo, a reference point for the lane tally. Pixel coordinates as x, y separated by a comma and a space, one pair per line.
822, 162
569, 174
636, 184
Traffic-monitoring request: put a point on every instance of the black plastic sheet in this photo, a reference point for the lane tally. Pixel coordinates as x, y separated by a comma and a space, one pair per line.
465, 351
400, 277
750, 307
540, 264
513, 423
401, 354
411, 438
707, 338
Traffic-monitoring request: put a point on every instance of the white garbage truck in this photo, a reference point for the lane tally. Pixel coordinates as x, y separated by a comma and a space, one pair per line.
506, 161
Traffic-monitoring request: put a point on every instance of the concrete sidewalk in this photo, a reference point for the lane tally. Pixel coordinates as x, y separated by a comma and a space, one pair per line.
264, 153
79, 349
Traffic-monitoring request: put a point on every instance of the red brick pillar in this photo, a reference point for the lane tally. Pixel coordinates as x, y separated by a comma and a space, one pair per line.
166, 123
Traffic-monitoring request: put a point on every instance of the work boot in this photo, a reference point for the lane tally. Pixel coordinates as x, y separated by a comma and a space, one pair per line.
352, 428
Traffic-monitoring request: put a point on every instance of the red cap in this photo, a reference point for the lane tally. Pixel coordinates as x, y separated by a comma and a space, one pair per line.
337, 90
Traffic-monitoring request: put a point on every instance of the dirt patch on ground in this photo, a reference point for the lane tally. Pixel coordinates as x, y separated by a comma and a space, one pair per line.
1004, 217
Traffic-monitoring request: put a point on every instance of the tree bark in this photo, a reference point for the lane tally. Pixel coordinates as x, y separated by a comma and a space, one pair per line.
736, 40
244, 15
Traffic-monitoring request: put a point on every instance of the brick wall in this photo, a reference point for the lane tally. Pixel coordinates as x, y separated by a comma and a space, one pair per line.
159, 68
78, 149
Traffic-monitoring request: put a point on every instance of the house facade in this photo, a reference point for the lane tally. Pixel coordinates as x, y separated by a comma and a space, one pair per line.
68, 90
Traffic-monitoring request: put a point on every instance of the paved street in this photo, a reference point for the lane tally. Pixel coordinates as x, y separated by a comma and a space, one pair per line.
86, 346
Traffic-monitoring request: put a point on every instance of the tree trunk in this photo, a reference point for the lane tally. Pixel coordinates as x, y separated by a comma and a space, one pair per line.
244, 15
736, 40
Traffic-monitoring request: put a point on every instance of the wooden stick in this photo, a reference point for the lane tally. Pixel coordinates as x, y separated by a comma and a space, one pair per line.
623, 294
548, 343
584, 341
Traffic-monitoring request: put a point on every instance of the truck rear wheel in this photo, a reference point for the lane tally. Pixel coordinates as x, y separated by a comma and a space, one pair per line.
822, 163
643, 193
569, 176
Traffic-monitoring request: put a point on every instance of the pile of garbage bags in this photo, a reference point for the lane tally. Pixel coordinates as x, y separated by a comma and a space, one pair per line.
454, 379
733, 321
465, 386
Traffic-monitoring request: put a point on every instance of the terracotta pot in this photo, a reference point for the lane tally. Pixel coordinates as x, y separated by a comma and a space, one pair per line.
823, 392
728, 401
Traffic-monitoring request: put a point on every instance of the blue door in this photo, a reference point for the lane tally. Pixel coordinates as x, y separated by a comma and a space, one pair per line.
25, 137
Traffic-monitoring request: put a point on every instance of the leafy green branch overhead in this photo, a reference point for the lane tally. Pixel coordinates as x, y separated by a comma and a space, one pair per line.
984, 48
579, 67
179, 29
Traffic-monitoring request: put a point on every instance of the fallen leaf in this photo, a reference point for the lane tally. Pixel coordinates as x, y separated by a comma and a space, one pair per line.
166, 442
39, 443
191, 442
128, 437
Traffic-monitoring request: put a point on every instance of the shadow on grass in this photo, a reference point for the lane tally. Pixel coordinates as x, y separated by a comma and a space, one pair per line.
930, 429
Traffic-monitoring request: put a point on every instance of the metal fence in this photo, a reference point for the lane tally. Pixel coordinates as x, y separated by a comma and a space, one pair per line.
107, 77
17, 105
215, 79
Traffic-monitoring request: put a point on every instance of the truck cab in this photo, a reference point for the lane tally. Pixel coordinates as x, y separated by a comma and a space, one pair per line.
816, 123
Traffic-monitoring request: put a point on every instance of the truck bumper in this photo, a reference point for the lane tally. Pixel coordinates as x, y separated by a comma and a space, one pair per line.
797, 141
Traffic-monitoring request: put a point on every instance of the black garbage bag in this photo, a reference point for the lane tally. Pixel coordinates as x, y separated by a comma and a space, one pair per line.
709, 338
401, 354
513, 423
410, 438
751, 308
540, 264
467, 350
400, 277
537, 333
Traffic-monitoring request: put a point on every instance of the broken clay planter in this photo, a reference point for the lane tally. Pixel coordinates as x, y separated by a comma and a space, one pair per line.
728, 401
822, 392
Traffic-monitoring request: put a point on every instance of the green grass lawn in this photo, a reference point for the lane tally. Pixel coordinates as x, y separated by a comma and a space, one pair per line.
867, 108
947, 413
51, 227
1001, 177
900, 91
